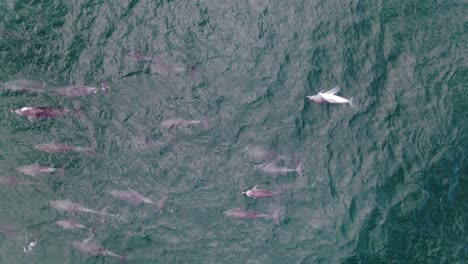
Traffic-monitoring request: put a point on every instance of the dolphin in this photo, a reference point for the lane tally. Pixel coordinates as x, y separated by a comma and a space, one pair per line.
335, 99
271, 168
69, 224
80, 90
173, 123
159, 66
330, 97
12, 180
66, 205
256, 193
40, 112
240, 213
75, 91
258, 154
36, 169
63, 148
22, 85
318, 99
131, 196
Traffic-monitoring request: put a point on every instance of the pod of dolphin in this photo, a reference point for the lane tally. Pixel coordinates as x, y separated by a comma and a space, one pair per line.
265, 160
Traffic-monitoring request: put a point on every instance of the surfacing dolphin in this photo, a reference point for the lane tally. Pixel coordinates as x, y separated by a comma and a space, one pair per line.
330, 97
257, 193
41, 112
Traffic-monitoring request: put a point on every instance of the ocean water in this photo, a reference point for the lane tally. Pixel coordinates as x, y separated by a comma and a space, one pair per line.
383, 182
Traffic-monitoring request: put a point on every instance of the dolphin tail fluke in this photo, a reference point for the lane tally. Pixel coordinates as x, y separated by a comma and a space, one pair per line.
282, 190
351, 102
103, 214
105, 88
123, 259
162, 204
276, 216
79, 113
91, 149
299, 169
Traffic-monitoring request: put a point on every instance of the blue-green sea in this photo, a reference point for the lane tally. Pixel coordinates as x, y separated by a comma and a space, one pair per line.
385, 181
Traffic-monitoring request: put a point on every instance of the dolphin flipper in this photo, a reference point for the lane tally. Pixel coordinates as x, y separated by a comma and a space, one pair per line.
334, 90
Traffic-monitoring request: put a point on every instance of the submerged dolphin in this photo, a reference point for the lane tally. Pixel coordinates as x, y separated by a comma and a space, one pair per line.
68, 206
23, 85
159, 66
131, 196
94, 249
138, 56
75, 91
258, 154
12, 180
80, 90
63, 148
240, 213
36, 169
271, 168
173, 123
69, 224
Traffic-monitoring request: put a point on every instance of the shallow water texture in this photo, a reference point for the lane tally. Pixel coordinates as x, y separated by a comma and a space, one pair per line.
383, 182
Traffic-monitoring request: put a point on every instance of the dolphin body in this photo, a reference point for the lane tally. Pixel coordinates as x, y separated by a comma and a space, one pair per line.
177, 122
69, 224
25, 86
41, 112
12, 180
80, 90
131, 196
258, 154
34, 169
330, 97
159, 66
68, 206
256, 193
138, 56
75, 91
62, 148
271, 168
94, 249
